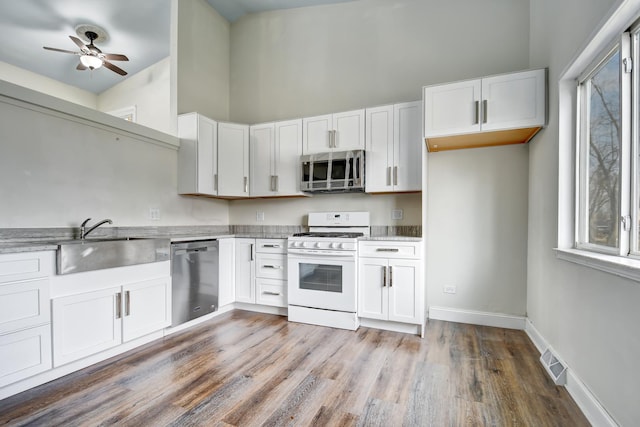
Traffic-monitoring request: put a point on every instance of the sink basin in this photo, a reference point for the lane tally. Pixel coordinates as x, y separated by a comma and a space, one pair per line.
75, 256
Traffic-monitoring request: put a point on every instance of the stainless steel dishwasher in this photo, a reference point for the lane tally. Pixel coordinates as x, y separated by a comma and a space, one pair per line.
194, 276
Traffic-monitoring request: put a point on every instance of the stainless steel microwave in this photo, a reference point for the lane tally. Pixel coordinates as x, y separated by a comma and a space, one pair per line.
341, 171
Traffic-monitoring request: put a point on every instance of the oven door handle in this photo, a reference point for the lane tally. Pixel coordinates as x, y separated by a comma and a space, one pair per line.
304, 254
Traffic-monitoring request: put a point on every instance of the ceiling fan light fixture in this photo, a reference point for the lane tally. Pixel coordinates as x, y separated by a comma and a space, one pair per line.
91, 62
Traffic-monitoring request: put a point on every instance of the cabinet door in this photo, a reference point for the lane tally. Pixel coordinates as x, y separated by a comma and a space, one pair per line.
405, 291
245, 272
147, 307
316, 134
226, 271
262, 165
379, 146
407, 147
452, 109
24, 304
515, 100
24, 353
373, 294
349, 127
197, 156
85, 324
288, 150
233, 160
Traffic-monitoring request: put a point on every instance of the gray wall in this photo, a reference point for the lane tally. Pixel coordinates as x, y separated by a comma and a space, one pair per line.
308, 61
588, 316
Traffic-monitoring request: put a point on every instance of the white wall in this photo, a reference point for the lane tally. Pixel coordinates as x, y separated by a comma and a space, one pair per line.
294, 211
477, 229
314, 60
588, 316
202, 55
148, 91
40, 83
55, 172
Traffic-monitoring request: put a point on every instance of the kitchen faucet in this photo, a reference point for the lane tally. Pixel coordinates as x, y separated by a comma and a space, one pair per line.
83, 232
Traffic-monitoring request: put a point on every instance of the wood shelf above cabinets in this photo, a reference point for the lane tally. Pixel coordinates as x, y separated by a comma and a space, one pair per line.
478, 140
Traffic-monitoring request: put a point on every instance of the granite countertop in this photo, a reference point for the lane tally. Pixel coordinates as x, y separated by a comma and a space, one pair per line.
28, 240
393, 238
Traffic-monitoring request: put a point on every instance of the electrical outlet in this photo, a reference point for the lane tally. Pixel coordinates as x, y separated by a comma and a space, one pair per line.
397, 214
154, 214
259, 216
450, 289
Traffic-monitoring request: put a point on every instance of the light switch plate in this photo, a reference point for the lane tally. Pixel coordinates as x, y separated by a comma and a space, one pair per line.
397, 214
259, 216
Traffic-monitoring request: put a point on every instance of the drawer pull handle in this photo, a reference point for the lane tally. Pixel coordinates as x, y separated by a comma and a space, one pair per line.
127, 303
270, 246
277, 294
275, 267
387, 250
118, 305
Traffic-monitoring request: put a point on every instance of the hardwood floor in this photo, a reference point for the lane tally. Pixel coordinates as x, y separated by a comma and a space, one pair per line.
246, 369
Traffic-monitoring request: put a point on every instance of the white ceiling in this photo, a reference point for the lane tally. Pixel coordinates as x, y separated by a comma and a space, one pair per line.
137, 28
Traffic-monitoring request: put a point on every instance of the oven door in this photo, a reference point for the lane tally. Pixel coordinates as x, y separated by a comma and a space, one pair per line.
322, 281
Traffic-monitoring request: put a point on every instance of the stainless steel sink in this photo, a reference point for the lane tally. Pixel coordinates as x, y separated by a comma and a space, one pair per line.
75, 256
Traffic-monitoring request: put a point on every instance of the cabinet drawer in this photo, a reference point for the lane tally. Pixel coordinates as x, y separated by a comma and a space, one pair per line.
24, 304
271, 266
25, 266
271, 292
390, 249
24, 353
271, 246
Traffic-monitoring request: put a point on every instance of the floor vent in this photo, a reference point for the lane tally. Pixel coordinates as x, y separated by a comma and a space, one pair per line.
556, 369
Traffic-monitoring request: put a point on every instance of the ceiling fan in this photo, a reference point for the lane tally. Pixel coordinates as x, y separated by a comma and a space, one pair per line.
91, 57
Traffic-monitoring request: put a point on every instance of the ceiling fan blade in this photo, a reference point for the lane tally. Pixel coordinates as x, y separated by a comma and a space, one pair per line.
115, 57
79, 43
112, 67
81, 66
55, 49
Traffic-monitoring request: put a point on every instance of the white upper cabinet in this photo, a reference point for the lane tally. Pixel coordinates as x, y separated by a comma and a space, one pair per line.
452, 108
197, 156
394, 148
497, 110
334, 132
275, 150
233, 160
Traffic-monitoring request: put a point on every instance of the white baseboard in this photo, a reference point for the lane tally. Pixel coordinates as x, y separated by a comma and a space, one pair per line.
497, 320
584, 398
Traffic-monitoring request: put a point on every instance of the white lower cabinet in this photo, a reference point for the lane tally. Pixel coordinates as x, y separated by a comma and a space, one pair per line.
85, 324
390, 285
147, 308
261, 271
245, 271
25, 315
226, 272
90, 322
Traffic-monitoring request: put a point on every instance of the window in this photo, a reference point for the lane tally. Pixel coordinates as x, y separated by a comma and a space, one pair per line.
604, 147
599, 149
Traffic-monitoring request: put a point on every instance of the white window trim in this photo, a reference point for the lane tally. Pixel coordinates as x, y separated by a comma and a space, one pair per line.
621, 16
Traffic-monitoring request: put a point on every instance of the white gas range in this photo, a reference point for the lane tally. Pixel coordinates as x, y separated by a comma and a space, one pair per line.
322, 273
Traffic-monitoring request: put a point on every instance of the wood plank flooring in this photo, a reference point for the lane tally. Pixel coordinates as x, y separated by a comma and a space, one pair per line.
252, 369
